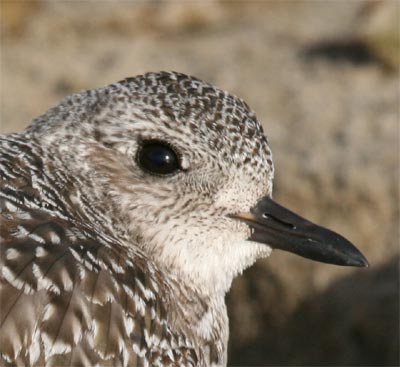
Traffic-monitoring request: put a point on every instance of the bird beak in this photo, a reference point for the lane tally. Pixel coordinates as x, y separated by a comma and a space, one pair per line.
282, 229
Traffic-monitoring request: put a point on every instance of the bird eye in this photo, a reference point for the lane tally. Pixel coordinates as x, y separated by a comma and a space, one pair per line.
158, 158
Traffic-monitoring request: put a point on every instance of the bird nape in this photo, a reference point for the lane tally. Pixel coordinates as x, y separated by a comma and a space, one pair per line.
126, 212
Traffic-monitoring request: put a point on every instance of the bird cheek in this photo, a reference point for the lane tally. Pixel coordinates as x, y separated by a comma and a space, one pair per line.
233, 228
242, 193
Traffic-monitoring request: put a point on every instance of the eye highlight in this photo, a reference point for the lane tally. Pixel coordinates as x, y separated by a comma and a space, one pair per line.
158, 158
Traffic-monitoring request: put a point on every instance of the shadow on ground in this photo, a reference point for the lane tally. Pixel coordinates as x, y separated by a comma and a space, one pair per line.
343, 325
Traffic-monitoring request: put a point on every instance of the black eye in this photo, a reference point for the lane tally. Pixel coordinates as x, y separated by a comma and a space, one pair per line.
158, 158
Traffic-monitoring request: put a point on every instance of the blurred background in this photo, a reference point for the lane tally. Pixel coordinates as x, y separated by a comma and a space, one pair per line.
323, 78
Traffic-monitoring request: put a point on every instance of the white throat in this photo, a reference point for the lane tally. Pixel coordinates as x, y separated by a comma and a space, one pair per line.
209, 268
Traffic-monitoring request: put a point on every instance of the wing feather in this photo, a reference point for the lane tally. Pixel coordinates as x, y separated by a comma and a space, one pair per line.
68, 298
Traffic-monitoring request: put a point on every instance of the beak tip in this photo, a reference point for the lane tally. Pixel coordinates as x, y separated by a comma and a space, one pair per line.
364, 263
359, 261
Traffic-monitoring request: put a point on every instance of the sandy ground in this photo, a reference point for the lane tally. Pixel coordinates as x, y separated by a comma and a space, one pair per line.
326, 89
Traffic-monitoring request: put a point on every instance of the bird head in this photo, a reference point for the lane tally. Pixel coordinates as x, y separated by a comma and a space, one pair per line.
182, 171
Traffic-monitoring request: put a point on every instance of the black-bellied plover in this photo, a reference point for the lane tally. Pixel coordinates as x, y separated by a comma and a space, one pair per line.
126, 211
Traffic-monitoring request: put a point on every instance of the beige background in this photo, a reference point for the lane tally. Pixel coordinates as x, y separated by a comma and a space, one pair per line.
323, 79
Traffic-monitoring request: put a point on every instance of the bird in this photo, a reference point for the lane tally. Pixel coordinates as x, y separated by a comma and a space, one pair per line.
126, 212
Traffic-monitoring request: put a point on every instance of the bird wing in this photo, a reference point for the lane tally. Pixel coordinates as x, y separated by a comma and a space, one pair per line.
72, 298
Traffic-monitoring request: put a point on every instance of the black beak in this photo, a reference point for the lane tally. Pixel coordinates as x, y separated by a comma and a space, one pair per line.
282, 229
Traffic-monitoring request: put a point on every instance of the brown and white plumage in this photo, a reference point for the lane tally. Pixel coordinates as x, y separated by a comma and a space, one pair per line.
79, 282
105, 261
